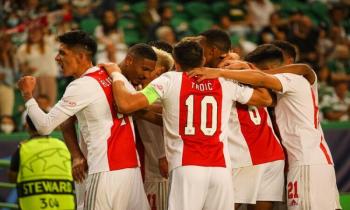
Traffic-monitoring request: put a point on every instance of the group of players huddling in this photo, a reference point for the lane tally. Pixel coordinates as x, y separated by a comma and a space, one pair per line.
219, 146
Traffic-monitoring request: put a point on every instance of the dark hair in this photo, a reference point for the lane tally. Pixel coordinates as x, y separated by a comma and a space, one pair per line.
109, 28
143, 51
165, 46
217, 38
30, 124
79, 39
287, 47
162, 8
265, 53
188, 54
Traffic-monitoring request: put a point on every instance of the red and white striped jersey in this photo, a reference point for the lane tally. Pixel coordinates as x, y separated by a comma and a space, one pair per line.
108, 135
251, 138
196, 118
297, 120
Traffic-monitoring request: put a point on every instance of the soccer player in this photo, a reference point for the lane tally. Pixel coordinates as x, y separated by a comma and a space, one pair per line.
256, 155
114, 179
297, 119
195, 125
155, 162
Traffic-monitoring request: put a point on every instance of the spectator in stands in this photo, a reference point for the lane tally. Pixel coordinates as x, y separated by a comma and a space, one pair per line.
166, 14
7, 124
150, 16
336, 107
36, 58
260, 11
7, 73
274, 31
337, 16
82, 9
110, 39
324, 81
166, 34
304, 35
29, 9
339, 63
239, 18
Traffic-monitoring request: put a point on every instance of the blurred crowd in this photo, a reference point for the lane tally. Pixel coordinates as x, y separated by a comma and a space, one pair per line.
28, 28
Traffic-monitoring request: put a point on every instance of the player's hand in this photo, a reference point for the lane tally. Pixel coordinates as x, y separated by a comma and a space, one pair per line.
163, 167
26, 85
203, 73
110, 68
79, 168
229, 57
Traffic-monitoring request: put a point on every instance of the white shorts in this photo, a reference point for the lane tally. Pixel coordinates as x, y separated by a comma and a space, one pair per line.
263, 182
80, 194
200, 188
157, 194
312, 188
116, 190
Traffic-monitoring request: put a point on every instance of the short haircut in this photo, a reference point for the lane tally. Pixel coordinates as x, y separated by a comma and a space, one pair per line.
142, 50
287, 47
188, 54
165, 46
79, 39
217, 38
264, 54
30, 124
164, 59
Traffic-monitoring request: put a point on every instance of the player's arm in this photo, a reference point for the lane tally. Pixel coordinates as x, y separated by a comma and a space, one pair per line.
126, 101
300, 69
251, 77
75, 98
261, 97
79, 163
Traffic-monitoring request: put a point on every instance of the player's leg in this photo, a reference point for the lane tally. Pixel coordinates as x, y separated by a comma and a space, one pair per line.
137, 199
188, 187
157, 194
271, 185
220, 194
246, 184
95, 194
297, 185
151, 193
322, 179
80, 194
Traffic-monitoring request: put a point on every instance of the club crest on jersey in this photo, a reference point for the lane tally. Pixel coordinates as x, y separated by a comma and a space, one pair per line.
159, 87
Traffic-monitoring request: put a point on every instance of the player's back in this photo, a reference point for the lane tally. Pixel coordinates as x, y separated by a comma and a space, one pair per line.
108, 135
251, 138
196, 118
297, 119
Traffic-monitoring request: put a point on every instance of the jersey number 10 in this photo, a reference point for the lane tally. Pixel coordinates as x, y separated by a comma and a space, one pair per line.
206, 100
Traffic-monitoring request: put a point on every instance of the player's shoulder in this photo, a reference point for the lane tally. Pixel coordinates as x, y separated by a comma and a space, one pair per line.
82, 85
171, 74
